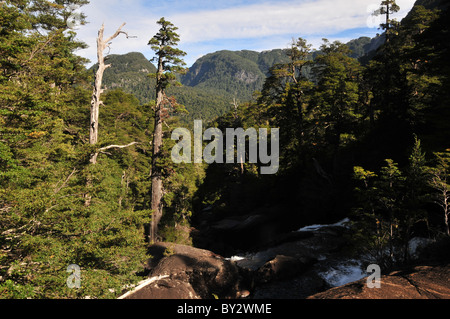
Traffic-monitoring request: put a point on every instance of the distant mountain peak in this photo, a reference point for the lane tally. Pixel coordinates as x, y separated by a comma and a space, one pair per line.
236, 72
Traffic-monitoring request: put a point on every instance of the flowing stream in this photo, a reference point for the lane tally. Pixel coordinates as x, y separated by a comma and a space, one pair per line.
333, 267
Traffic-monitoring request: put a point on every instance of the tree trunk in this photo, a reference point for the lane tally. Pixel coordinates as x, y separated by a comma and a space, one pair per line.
388, 26
237, 122
97, 91
446, 209
162, 44
95, 101
157, 187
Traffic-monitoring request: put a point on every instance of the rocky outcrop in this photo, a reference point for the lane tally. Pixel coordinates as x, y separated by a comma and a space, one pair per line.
162, 288
185, 272
283, 267
258, 230
246, 77
307, 263
420, 282
291, 268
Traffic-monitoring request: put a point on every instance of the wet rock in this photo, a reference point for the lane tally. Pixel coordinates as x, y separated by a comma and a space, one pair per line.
299, 287
283, 267
417, 245
420, 282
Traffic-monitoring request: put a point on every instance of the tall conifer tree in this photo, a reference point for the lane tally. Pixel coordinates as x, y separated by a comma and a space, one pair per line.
169, 62
387, 8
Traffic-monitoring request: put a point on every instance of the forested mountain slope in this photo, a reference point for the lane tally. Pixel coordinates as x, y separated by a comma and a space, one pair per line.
237, 72
213, 81
130, 71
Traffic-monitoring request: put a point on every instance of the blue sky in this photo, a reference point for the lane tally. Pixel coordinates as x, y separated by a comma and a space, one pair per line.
207, 26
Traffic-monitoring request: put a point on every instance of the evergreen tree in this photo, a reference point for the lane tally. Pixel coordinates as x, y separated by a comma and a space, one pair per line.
286, 94
168, 64
401, 91
44, 112
336, 97
387, 8
440, 181
390, 205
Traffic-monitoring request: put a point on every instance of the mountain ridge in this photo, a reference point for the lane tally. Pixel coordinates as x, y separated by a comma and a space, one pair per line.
217, 78
213, 81
236, 72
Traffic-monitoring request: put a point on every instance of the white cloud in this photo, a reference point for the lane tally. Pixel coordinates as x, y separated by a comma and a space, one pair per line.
140, 23
266, 20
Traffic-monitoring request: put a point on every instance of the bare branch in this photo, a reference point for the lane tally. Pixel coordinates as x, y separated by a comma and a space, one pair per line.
115, 35
97, 90
117, 146
37, 50
103, 149
65, 182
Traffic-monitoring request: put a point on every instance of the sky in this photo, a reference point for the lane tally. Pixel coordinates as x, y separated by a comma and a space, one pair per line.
206, 26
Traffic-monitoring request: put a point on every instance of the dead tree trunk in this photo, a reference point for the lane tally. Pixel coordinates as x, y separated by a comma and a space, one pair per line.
439, 183
96, 101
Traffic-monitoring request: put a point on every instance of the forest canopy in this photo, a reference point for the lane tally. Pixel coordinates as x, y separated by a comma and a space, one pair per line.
362, 135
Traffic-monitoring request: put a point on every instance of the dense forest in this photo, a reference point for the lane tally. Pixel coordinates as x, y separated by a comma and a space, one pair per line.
363, 134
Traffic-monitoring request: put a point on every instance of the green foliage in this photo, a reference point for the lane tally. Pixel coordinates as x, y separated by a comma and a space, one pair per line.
129, 73
338, 121
167, 55
359, 47
337, 97
228, 71
439, 181
168, 252
44, 161
211, 84
317, 119
404, 91
49, 227
390, 205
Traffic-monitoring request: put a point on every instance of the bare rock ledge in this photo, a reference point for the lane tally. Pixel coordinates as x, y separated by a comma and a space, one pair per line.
420, 282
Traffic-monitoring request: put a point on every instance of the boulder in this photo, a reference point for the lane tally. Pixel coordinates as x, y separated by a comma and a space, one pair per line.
420, 282
165, 288
185, 272
283, 267
417, 245
299, 287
